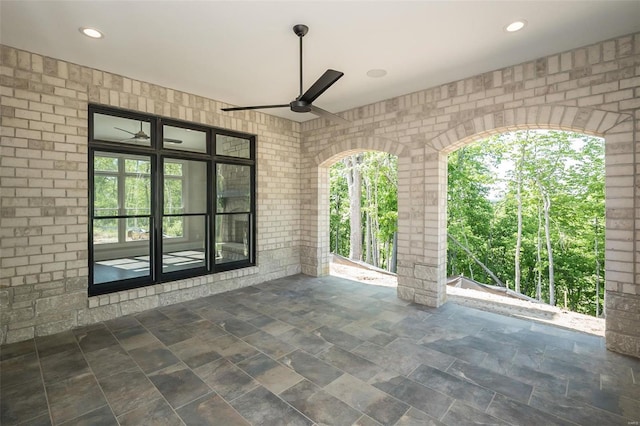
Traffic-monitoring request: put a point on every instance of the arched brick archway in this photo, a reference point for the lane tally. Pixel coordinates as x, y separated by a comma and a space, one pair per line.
315, 234
422, 188
428, 282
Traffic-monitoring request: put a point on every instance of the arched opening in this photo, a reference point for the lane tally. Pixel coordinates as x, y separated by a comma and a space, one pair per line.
363, 217
525, 221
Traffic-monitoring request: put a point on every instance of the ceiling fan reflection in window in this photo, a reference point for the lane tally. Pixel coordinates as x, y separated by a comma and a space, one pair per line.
304, 101
142, 136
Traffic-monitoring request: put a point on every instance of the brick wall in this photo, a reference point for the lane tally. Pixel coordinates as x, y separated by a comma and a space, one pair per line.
594, 90
43, 184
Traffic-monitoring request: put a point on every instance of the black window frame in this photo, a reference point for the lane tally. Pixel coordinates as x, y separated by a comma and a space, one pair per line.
158, 154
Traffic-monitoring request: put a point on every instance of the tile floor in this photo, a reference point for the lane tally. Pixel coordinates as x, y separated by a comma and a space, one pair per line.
303, 350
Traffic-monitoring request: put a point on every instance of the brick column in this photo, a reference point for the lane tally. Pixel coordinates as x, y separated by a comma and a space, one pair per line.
622, 252
422, 242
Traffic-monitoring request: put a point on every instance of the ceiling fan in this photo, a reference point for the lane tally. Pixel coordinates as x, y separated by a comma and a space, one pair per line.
304, 101
141, 135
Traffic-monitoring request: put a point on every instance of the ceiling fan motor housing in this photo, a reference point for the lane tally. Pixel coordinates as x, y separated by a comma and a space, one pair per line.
300, 106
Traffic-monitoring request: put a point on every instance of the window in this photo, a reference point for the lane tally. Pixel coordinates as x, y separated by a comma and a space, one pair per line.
168, 200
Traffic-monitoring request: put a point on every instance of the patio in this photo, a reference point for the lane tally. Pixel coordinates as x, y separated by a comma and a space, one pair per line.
302, 350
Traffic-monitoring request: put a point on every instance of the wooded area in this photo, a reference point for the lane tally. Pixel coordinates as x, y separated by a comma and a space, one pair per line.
525, 210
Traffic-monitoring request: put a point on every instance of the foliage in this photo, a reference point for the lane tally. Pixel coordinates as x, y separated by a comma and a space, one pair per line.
565, 169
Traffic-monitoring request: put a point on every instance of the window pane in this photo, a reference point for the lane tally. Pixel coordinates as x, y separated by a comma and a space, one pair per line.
137, 195
234, 188
110, 128
232, 238
105, 231
105, 195
105, 163
114, 262
184, 139
185, 188
183, 243
137, 229
232, 146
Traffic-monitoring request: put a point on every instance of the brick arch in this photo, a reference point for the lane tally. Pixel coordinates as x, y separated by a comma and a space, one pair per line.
621, 202
348, 146
557, 117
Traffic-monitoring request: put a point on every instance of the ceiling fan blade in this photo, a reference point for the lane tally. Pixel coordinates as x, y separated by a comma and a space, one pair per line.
255, 107
328, 115
131, 133
323, 83
176, 141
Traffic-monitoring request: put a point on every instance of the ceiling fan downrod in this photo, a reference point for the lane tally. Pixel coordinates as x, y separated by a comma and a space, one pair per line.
301, 30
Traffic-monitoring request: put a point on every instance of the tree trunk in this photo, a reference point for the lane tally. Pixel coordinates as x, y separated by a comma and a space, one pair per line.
547, 233
475, 259
519, 201
539, 257
355, 218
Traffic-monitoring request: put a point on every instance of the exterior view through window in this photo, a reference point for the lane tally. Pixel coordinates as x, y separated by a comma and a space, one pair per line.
168, 200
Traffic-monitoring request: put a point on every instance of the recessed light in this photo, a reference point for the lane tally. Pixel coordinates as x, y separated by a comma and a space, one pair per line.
515, 26
376, 73
91, 32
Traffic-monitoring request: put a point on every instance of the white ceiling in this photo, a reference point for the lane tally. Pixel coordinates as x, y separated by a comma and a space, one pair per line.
245, 53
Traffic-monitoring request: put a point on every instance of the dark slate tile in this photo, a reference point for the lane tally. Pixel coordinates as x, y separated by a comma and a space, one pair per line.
63, 365
232, 348
609, 400
95, 339
261, 321
409, 327
154, 318
269, 373
134, 337
110, 360
73, 397
211, 410
540, 380
171, 334
403, 363
421, 353
153, 357
102, 416
311, 367
56, 343
572, 410
425, 399
337, 337
236, 327
318, 405
22, 402
13, 350
365, 420
127, 390
462, 414
156, 413
226, 379
458, 349
517, 413
305, 341
366, 398
261, 407
415, 417
179, 385
204, 329
453, 386
194, 352
346, 361
242, 312
42, 420
122, 323
269, 344
14, 371
212, 313
497, 382
179, 315
363, 331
